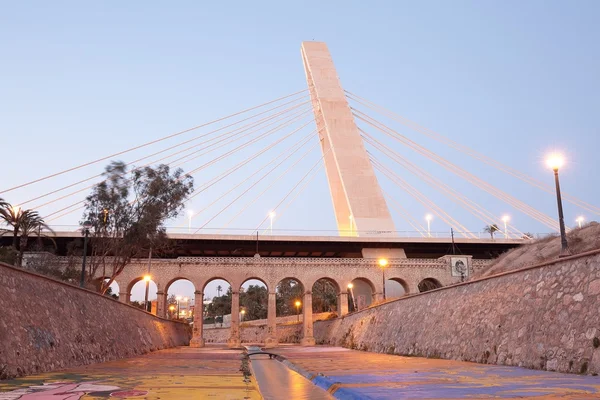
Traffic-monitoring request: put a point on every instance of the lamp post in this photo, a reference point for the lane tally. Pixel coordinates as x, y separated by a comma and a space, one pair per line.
147, 279
555, 161
271, 216
428, 218
505, 219
171, 308
350, 286
243, 313
580, 220
190, 214
298, 304
178, 298
383, 263
86, 232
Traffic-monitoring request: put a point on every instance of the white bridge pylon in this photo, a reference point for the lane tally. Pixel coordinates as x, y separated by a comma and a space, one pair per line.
358, 202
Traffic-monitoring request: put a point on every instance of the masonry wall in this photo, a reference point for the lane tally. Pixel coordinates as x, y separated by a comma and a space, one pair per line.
542, 317
47, 325
286, 333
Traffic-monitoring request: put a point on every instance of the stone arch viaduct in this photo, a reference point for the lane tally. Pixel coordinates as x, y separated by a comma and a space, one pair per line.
272, 270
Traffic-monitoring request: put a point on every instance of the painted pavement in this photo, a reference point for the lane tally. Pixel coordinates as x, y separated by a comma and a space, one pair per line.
350, 374
182, 373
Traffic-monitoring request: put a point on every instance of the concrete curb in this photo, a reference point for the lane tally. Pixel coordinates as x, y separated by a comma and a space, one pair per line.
324, 383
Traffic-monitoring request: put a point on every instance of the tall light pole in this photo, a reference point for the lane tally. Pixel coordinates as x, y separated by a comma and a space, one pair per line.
505, 219
350, 286
383, 263
86, 233
580, 220
555, 161
172, 309
298, 304
178, 298
190, 214
147, 279
428, 218
271, 217
243, 313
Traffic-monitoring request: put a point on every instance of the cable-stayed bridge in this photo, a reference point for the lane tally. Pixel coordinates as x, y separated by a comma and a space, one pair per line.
287, 143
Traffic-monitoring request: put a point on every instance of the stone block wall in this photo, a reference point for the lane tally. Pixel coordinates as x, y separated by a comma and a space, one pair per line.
47, 325
541, 317
287, 333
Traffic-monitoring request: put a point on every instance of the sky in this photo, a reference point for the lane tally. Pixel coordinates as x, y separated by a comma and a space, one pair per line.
514, 80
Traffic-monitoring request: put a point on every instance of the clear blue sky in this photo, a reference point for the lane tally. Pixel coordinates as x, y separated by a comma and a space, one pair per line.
511, 79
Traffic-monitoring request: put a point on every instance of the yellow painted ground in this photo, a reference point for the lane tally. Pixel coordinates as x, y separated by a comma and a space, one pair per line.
182, 373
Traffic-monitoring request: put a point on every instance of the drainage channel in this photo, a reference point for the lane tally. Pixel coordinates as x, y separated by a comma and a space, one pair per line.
276, 381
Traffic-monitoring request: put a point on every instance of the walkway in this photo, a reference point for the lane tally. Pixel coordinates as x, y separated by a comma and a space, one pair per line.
175, 374
350, 374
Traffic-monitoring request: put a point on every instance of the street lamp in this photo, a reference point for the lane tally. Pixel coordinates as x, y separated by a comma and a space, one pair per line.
190, 214
171, 308
86, 232
147, 279
428, 218
298, 304
383, 263
350, 286
580, 220
505, 219
555, 161
178, 298
271, 216
243, 313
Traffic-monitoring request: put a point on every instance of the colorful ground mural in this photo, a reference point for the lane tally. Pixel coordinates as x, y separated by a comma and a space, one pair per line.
349, 374
180, 374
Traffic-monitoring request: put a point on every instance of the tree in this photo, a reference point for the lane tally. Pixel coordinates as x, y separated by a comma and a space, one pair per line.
128, 214
491, 229
324, 296
254, 300
22, 223
288, 292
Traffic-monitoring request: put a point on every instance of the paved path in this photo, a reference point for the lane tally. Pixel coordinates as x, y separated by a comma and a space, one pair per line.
278, 382
350, 374
174, 374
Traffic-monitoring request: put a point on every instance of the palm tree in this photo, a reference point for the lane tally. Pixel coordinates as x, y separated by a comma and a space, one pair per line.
491, 229
22, 223
219, 288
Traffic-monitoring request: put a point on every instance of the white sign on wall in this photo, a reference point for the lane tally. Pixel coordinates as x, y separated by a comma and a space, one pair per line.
460, 266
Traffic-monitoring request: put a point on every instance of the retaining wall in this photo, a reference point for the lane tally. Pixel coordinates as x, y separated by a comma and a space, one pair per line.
47, 325
541, 317
286, 333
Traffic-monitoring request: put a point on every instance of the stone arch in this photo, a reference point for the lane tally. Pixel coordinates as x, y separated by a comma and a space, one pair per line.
253, 305
218, 315
286, 296
185, 306
137, 297
363, 292
428, 284
396, 287
325, 295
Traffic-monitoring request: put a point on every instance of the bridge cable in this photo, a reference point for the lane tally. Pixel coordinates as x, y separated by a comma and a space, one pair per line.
471, 206
146, 144
251, 187
405, 214
231, 139
420, 197
268, 133
473, 153
294, 188
541, 217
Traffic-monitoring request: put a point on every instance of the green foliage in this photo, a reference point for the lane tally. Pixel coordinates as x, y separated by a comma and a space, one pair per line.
288, 292
8, 255
254, 300
127, 212
491, 229
324, 296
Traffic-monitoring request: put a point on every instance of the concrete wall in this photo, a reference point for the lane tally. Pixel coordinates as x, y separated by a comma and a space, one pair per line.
289, 333
47, 325
541, 317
